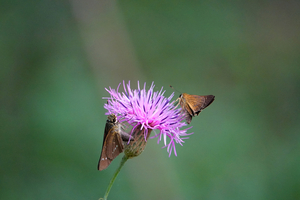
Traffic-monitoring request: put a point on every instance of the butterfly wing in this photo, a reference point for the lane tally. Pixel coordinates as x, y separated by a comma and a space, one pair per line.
112, 145
115, 146
197, 103
192, 105
104, 161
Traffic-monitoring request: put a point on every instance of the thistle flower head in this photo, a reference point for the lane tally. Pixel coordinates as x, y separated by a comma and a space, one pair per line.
148, 110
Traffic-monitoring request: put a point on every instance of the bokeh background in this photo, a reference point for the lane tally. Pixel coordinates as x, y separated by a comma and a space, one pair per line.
57, 57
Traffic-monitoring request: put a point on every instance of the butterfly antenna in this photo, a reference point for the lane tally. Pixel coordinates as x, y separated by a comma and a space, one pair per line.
177, 98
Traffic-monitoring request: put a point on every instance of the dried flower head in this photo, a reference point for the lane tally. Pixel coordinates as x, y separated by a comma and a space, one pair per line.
147, 110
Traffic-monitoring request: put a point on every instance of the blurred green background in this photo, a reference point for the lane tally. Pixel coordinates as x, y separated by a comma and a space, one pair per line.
57, 57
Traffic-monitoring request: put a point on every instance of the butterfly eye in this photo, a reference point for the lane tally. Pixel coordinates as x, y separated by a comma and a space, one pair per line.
180, 95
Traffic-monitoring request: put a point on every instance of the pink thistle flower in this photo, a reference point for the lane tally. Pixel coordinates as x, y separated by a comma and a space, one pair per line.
148, 110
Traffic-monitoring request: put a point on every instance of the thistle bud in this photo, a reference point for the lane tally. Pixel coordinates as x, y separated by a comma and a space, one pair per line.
137, 146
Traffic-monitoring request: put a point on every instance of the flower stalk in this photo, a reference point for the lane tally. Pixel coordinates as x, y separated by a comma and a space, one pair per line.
124, 159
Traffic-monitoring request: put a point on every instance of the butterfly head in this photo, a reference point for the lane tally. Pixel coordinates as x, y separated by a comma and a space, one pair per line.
112, 118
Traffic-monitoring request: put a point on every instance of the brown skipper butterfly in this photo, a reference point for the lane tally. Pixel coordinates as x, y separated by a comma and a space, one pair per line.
112, 141
192, 105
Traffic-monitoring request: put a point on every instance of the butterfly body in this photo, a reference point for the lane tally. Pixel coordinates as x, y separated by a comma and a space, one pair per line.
192, 105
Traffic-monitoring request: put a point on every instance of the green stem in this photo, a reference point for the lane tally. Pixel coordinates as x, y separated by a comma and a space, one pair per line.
124, 159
